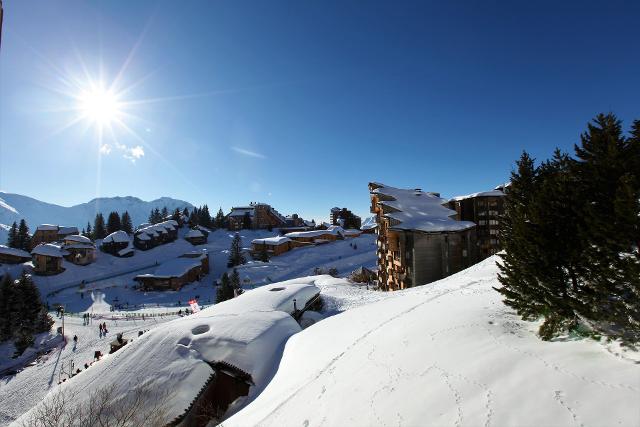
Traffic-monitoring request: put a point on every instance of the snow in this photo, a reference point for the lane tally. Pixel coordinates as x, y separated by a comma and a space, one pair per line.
369, 223
419, 210
194, 233
77, 238
48, 249
125, 251
447, 353
240, 211
275, 240
312, 233
493, 193
117, 237
15, 252
351, 232
47, 227
14, 207
247, 332
67, 230
174, 268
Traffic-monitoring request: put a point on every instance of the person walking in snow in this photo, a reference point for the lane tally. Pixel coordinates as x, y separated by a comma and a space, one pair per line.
104, 328
75, 340
100, 328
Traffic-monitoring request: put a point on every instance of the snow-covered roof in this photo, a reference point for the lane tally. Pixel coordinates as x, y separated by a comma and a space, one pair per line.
67, 230
492, 193
155, 229
275, 240
79, 246
117, 237
194, 233
14, 252
311, 233
47, 227
77, 238
174, 268
240, 211
351, 232
125, 251
47, 249
418, 210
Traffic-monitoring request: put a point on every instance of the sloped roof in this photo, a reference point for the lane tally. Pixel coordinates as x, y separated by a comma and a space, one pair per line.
14, 252
47, 249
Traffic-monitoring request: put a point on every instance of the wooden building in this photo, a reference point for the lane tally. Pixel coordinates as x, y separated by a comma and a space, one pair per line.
175, 273
13, 256
197, 236
157, 234
256, 216
80, 250
485, 209
419, 241
117, 244
275, 246
344, 218
47, 259
49, 233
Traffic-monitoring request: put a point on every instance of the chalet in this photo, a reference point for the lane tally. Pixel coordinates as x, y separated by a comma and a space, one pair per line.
344, 218
80, 250
197, 236
13, 256
485, 209
117, 244
156, 234
174, 274
47, 259
419, 241
275, 246
255, 216
49, 233
352, 232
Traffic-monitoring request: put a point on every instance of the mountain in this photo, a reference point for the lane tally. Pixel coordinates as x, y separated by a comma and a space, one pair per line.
14, 207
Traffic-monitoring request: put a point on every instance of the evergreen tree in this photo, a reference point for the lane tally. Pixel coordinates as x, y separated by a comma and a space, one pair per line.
177, 216
164, 214
235, 282
263, 255
24, 238
89, 232
126, 224
5, 299
185, 212
235, 252
225, 290
220, 219
99, 229
113, 222
12, 239
205, 217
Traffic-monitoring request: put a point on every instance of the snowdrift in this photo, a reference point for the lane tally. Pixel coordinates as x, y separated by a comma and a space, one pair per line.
449, 353
247, 333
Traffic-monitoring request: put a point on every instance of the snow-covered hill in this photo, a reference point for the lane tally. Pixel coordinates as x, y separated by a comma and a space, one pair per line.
14, 207
449, 353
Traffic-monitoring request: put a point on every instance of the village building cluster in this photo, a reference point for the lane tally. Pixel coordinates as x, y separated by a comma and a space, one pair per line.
423, 237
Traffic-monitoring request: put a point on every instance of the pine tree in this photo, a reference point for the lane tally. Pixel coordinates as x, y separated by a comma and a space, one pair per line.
185, 212
12, 239
235, 282
205, 219
220, 219
225, 290
235, 252
177, 216
263, 255
5, 299
99, 230
126, 224
113, 223
89, 232
24, 238
164, 214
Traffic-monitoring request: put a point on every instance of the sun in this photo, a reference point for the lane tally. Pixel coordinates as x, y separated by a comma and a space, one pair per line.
99, 105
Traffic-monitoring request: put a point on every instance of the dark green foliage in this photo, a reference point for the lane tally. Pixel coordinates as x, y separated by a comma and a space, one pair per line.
89, 232
185, 212
225, 290
164, 213
263, 255
176, 216
155, 216
113, 223
22, 313
220, 221
570, 235
125, 223
12, 239
333, 272
99, 229
235, 252
235, 282
24, 238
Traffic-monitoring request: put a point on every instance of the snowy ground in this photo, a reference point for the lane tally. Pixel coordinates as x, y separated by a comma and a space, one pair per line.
449, 353
19, 392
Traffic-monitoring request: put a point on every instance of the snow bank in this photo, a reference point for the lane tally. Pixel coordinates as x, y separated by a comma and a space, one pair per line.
117, 237
247, 332
448, 353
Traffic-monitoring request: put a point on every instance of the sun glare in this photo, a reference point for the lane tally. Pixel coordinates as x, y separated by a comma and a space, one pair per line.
99, 105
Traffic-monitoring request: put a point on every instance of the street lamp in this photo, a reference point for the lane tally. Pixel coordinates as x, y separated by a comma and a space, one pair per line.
62, 315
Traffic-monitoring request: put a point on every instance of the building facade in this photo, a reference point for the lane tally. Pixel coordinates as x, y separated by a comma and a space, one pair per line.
256, 216
485, 209
419, 240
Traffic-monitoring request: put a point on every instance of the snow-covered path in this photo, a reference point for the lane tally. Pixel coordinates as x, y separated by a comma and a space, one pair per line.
449, 353
20, 392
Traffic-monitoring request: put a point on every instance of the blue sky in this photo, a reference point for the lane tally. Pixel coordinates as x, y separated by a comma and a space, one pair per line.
300, 104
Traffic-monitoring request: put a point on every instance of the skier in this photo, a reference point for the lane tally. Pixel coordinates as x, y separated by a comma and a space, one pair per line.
100, 328
104, 327
75, 339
